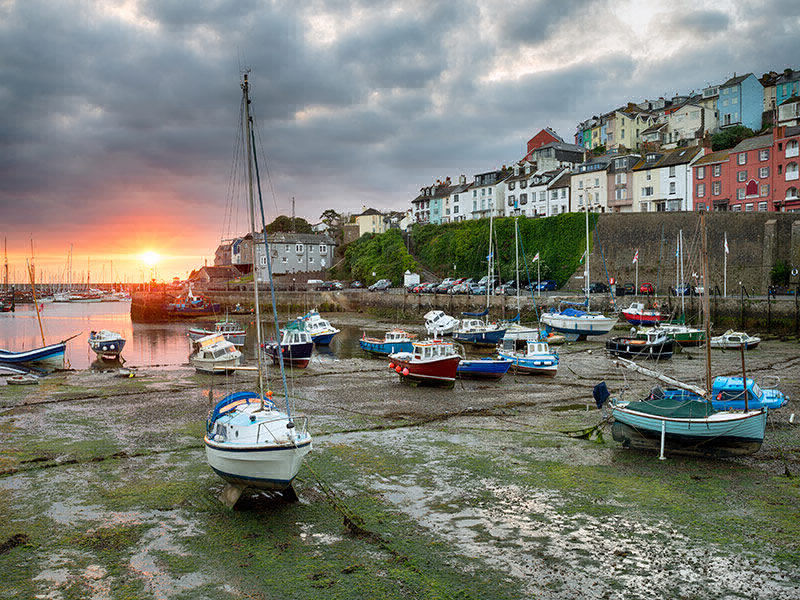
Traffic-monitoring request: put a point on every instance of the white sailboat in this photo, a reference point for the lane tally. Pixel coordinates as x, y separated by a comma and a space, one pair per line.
574, 323
514, 329
250, 441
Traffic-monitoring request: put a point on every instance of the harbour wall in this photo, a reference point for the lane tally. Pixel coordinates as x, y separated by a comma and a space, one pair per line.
757, 241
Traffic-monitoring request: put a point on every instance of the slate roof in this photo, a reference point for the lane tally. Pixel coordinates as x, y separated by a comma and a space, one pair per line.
679, 156
287, 237
713, 158
735, 80
370, 212
753, 143
563, 181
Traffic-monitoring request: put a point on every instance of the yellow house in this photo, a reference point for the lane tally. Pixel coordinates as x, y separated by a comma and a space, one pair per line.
371, 221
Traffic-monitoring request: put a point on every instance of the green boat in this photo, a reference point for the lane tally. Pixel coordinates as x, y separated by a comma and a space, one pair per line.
682, 334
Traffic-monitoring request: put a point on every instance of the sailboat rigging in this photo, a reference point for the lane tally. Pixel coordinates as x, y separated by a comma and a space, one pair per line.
250, 442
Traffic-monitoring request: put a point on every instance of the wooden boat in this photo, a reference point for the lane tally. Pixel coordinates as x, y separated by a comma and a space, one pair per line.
250, 442
394, 340
106, 344
296, 346
535, 359
432, 362
320, 330
230, 330
655, 345
483, 368
191, 306
735, 339
638, 314
214, 354
576, 324
52, 355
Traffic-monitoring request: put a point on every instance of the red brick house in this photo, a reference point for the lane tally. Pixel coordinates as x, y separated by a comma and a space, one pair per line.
712, 189
786, 181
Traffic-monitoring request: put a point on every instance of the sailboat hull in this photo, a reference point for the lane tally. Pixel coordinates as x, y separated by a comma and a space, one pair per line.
258, 466
581, 326
52, 355
722, 434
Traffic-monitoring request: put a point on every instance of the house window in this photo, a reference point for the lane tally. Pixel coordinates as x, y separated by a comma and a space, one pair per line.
740, 194
563, 192
748, 207
323, 248
263, 260
511, 185
791, 171
701, 172
474, 205
672, 171
792, 148
311, 260
621, 194
742, 158
736, 208
523, 184
455, 209
284, 260
763, 154
741, 176
791, 193
474, 193
647, 191
764, 189
542, 196
717, 170
288, 247
490, 191
716, 188
511, 200
523, 198
580, 184
647, 176
762, 207
671, 187
763, 172
701, 190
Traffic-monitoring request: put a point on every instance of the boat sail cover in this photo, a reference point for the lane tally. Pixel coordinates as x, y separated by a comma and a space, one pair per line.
671, 407
476, 314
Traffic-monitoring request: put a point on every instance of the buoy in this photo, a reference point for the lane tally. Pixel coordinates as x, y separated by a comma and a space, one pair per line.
405, 371
398, 369
391, 365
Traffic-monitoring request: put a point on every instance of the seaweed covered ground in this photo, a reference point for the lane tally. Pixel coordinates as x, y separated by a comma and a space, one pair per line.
487, 490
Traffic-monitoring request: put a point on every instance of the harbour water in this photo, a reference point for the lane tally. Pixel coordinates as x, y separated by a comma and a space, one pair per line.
147, 344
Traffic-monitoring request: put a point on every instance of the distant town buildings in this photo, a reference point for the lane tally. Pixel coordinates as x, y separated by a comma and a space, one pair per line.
289, 252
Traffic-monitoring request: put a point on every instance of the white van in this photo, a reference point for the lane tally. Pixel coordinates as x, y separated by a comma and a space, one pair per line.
312, 284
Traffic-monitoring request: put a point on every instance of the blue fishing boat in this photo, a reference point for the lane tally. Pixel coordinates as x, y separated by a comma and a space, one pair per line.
535, 359
484, 368
52, 355
320, 330
727, 394
192, 306
477, 332
395, 340
106, 344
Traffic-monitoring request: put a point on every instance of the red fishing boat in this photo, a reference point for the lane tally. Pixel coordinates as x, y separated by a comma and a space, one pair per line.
637, 314
432, 362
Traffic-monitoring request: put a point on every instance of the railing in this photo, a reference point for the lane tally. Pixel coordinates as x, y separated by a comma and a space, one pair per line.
301, 430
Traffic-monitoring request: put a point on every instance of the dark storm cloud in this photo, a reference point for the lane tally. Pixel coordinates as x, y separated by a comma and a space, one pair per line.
382, 100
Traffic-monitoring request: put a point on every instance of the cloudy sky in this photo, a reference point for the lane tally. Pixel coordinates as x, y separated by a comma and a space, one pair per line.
118, 118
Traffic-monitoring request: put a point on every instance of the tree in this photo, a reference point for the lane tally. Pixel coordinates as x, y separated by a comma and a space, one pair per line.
284, 223
331, 218
728, 138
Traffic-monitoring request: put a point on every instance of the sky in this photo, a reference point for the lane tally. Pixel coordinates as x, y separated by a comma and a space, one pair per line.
118, 120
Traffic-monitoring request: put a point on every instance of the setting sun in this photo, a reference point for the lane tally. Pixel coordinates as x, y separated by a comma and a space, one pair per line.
150, 258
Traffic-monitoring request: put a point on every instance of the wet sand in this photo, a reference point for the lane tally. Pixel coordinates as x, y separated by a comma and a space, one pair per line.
474, 492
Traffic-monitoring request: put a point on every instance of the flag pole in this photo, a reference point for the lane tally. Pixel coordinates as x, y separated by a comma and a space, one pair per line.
637, 273
538, 276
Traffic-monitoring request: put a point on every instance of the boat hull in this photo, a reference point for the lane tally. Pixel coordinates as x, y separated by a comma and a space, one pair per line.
385, 348
645, 318
634, 348
296, 355
215, 366
482, 369
268, 467
480, 338
544, 366
732, 434
108, 349
441, 372
577, 325
323, 339
236, 338
52, 355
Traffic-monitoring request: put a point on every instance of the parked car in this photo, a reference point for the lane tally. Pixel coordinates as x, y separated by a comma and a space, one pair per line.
461, 288
380, 285
630, 290
337, 285
546, 285
598, 287
356, 284
683, 289
417, 289
324, 286
429, 288
647, 289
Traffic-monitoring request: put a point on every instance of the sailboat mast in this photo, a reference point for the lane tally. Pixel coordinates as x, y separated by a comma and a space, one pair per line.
706, 307
5, 255
683, 280
516, 254
245, 90
491, 258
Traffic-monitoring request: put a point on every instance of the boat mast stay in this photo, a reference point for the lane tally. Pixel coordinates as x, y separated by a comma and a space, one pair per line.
586, 272
706, 307
490, 259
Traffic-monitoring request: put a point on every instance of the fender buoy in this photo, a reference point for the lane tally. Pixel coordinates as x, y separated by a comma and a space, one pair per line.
405, 371
391, 365
398, 369
655, 305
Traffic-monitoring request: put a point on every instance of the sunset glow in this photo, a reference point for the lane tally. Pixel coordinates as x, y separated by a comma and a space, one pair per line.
150, 258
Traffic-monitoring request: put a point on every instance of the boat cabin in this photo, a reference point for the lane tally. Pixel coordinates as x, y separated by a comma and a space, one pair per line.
293, 337
227, 327
396, 335
433, 350
468, 325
